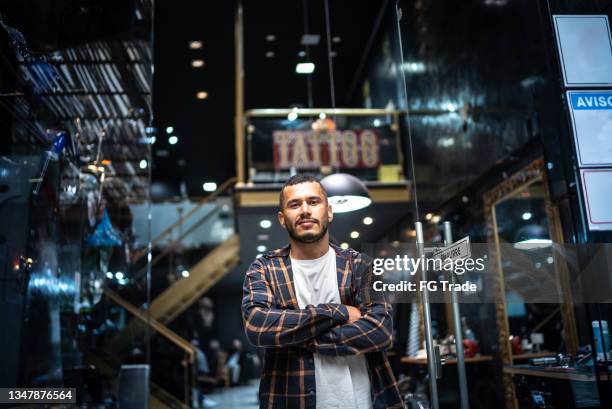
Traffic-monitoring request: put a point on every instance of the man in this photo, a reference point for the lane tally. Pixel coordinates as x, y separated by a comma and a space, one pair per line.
311, 305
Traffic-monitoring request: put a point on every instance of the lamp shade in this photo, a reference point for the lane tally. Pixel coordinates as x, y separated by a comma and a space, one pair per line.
346, 193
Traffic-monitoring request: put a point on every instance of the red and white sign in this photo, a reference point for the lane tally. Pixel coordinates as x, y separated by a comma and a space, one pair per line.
597, 189
312, 149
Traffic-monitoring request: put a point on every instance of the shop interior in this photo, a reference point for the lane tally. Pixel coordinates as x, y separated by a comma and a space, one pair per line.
144, 145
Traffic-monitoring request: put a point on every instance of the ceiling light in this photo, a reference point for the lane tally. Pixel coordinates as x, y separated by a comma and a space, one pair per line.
367, 220
195, 45
209, 186
354, 234
292, 116
377, 122
532, 244
302, 53
344, 246
550, 260
436, 219
202, 95
265, 224
270, 37
428, 216
109, 274
322, 115
173, 140
450, 107
185, 273
269, 54
152, 140
336, 39
527, 215
305, 68
261, 248
169, 130
345, 192
119, 275
143, 164
310, 39
197, 63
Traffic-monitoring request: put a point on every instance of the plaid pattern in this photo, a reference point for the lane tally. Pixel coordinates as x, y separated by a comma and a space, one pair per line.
272, 319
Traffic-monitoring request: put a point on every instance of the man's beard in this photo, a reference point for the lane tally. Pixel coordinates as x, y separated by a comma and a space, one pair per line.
308, 238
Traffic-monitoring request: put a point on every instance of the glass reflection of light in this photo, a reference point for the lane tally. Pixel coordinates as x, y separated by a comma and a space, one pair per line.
47, 283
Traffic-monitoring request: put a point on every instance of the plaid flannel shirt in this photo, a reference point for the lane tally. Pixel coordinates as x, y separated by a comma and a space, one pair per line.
290, 335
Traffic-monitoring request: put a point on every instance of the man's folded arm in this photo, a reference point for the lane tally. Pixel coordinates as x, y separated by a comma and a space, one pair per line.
272, 327
372, 332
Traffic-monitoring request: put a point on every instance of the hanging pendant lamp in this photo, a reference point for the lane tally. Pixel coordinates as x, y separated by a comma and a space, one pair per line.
346, 193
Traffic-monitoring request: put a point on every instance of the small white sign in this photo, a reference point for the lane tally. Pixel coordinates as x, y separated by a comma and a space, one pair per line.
597, 191
585, 49
458, 250
591, 115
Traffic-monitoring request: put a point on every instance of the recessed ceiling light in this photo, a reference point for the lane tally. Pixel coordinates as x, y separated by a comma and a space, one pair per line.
195, 45
270, 37
428, 216
367, 220
173, 140
527, 215
202, 95
197, 63
209, 186
119, 275
305, 68
354, 234
109, 274
302, 53
269, 54
310, 39
292, 116
185, 273
436, 219
322, 115
261, 248
169, 130
265, 224
143, 164
336, 39
377, 122
344, 246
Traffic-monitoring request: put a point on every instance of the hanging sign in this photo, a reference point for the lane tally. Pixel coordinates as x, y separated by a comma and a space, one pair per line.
591, 114
311, 149
585, 49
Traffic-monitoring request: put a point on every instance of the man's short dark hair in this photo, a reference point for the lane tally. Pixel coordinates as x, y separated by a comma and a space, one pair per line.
296, 180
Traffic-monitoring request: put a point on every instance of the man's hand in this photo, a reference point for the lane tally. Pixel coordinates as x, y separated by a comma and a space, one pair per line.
354, 313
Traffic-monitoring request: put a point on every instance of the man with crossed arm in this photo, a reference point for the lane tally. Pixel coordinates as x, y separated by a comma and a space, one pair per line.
311, 306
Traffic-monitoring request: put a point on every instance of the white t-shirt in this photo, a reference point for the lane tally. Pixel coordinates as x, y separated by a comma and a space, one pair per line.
342, 382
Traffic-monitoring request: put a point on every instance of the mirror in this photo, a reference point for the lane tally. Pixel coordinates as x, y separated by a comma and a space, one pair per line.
522, 225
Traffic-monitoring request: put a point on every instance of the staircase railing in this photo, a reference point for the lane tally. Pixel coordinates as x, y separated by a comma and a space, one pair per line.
186, 362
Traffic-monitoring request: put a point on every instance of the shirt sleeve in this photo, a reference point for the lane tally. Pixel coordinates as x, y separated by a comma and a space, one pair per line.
372, 332
266, 326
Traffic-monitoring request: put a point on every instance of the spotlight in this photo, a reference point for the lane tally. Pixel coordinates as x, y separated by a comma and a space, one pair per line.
367, 220
265, 223
173, 140
354, 234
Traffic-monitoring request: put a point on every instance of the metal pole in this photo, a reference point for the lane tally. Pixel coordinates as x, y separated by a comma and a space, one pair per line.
429, 346
463, 390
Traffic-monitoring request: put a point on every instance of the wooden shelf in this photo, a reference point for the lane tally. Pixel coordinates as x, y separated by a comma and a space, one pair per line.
448, 361
569, 374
